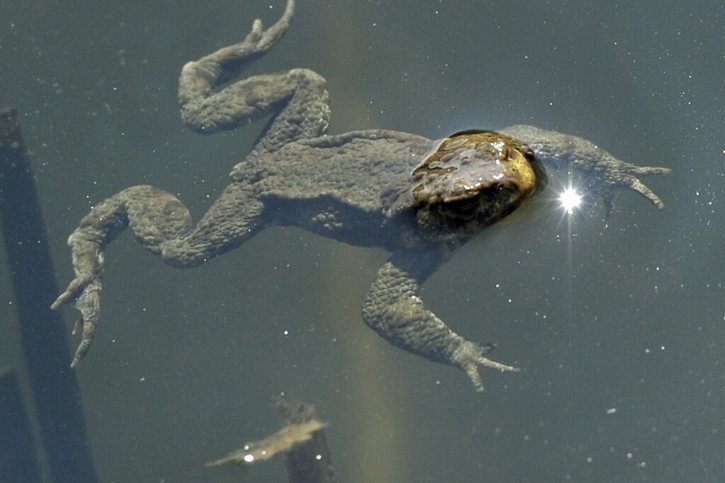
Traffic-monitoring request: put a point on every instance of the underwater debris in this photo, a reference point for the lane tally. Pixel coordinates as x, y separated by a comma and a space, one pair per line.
302, 440
282, 441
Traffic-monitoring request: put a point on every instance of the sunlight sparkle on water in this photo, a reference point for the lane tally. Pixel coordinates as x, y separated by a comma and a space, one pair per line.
570, 200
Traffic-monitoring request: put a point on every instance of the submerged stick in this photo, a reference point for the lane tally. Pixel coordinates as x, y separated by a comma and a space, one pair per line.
302, 440
43, 341
280, 442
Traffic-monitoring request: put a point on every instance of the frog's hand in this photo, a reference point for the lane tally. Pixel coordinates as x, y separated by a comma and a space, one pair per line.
602, 170
396, 312
622, 174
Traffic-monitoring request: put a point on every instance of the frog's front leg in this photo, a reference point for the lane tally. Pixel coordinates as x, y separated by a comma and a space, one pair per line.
162, 225
602, 171
394, 310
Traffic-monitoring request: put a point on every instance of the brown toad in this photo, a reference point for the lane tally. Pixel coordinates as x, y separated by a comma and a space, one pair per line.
418, 198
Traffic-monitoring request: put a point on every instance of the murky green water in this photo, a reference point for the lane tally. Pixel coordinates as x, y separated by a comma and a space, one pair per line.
619, 324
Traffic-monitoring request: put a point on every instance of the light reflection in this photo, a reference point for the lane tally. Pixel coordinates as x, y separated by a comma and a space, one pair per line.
570, 199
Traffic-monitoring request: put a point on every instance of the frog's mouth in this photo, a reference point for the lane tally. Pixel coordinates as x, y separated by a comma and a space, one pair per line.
487, 207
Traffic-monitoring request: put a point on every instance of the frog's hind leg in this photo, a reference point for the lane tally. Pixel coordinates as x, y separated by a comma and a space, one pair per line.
299, 95
162, 225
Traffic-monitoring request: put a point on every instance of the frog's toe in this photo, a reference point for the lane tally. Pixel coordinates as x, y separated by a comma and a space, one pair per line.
255, 34
628, 177
270, 36
89, 305
469, 356
259, 39
83, 346
76, 286
641, 188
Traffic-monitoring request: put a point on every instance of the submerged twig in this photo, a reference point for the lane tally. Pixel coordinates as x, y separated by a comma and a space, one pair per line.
282, 441
302, 441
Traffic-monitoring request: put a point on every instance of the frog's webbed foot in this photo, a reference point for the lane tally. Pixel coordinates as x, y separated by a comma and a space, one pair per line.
470, 355
394, 310
602, 172
158, 221
84, 291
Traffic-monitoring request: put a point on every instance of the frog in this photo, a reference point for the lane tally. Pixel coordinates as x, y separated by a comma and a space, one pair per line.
420, 199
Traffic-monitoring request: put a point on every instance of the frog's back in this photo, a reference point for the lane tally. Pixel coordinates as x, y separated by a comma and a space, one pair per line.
357, 169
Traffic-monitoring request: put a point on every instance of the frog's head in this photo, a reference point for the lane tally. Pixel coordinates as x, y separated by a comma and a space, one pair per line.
473, 179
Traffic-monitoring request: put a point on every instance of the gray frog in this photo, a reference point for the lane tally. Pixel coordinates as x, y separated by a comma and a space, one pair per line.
418, 198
